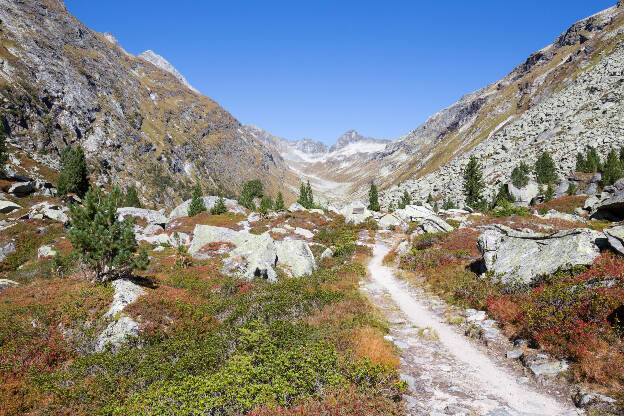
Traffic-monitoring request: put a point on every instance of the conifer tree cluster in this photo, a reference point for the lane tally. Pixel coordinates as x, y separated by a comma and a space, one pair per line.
74, 176
279, 202
132, 198
520, 175
545, 169
219, 207
251, 189
306, 199
197, 202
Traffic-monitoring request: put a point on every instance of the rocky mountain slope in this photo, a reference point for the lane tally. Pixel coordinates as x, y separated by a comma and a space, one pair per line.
137, 118
562, 99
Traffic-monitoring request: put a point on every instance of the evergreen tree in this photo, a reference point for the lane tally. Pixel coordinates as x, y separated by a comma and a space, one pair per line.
251, 189
306, 199
448, 204
501, 198
520, 175
593, 161
405, 200
266, 204
104, 243
571, 189
279, 202
622, 156
132, 198
74, 176
581, 163
549, 194
197, 202
219, 207
473, 184
4, 153
435, 207
612, 169
310, 196
430, 199
545, 169
373, 198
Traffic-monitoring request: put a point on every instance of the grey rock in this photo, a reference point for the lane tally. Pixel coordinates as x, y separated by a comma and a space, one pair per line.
4, 283
7, 249
619, 184
148, 215
45, 252
116, 334
356, 212
304, 233
297, 256
523, 196
294, 207
596, 402
427, 219
596, 178
126, 292
543, 365
209, 201
518, 257
50, 211
390, 221
611, 208
7, 207
327, 254
591, 189
515, 354
615, 236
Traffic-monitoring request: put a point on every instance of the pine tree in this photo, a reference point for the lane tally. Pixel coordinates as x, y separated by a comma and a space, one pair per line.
4, 155
430, 199
612, 169
373, 198
310, 196
581, 163
74, 176
473, 184
219, 207
549, 194
435, 207
571, 189
266, 204
306, 199
520, 175
405, 200
622, 156
279, 202
132, 198
448, 204
251, 189
104, 243
545, 169
197, 202
501, 198
593, 161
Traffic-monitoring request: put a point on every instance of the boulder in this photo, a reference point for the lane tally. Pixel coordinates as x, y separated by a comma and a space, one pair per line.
304, 233
148, 215
543, 365
49, 211
615, 236
609, 207
619, 184
595, 402
6, 249
317, 211
255, 255
126, 292
295, 206
523, 196
427, 219
327, 254
46, 252
152, 229
591, 189
21, 189
520, 257
355, 212
553, 214
297, 256
562, 189
390, 221
209, 201
7, 207
116, 333
4, 283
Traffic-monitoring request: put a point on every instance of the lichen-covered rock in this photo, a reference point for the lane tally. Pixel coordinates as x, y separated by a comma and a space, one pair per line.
520, 257
209, 201
327, 254
126, 292
427, 218
116, 333
390, 221
50, 211
46, 252
295, 206
304, 233
611, 207
355, 212
523, 196
6, 249
615, 235
22, 189
297, 256
148, 215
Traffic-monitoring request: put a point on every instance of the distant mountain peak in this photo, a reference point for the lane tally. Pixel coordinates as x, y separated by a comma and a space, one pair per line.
352, 136
155, 59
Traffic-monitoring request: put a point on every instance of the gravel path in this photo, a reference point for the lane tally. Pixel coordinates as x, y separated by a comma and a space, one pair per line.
446, 373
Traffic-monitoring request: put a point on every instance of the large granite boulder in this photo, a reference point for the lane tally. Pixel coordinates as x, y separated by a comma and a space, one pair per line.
256, 255
209, 201
126, 292
295, 206
22, 189
523, 196
615, 235
148, 215
427, 218
7, 207
116, 334
609, 206
50, 211
355, 212
389, 221
520, 257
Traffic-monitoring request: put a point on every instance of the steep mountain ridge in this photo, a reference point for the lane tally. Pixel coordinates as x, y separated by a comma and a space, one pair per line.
62, 83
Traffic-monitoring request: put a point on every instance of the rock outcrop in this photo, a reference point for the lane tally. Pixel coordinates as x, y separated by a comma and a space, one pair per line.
517, 257
209, 201
148, 215
427, 219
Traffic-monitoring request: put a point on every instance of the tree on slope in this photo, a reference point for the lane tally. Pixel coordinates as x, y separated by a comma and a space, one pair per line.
593, 160
106, 245
197, 202
306, 199
405, 200
520, 175
612, 169
266, 204
279, 202
373, 198
251, 189
4, 153
473, 184
219, 207
74, 176
132, 198
545, 169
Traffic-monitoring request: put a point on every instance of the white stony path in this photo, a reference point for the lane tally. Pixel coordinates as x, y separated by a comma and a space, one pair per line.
449, 375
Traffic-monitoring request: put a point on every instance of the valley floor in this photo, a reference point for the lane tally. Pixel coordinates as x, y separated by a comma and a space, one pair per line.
446, 372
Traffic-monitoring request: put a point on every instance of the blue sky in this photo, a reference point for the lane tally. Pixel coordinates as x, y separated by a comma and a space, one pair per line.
319, 68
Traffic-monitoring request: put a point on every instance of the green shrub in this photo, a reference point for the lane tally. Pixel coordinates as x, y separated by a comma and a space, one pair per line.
101, 241
545, 169
132, 198
507, 209
266, 204
74, 176
197, 202
448, 204
571, 189
520, 175
549, 193
405, 200
279, 202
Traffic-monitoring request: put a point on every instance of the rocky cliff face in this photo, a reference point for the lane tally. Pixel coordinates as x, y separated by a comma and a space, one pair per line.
61, 83
562, 99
